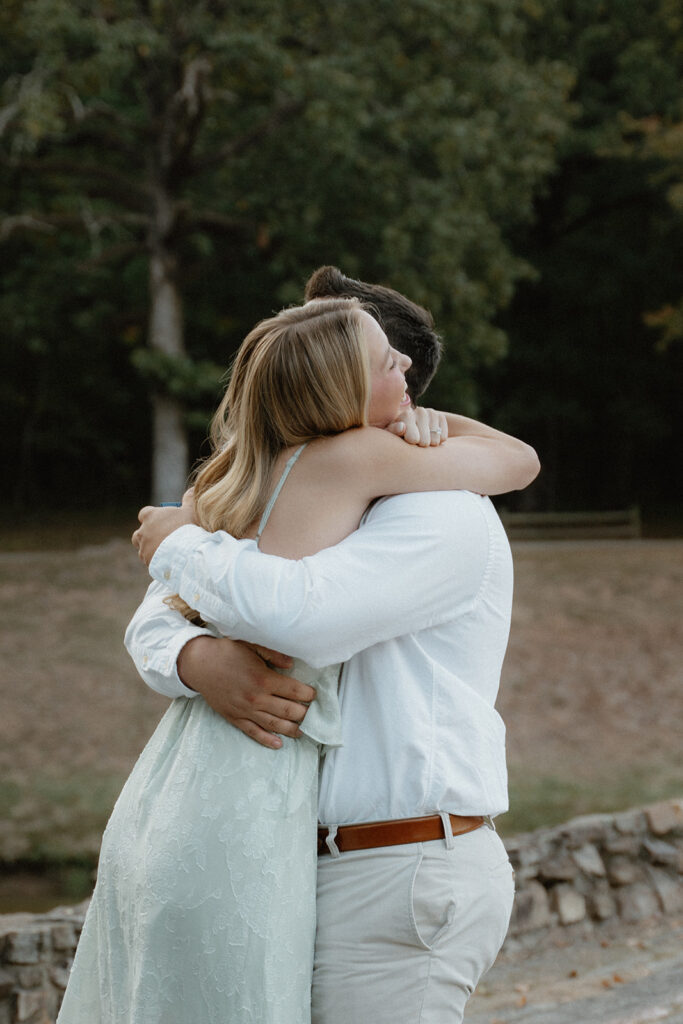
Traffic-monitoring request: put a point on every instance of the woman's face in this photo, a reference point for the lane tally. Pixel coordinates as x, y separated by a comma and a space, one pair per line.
387, 375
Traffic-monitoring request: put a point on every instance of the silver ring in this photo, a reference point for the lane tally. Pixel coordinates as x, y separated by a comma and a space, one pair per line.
436, 432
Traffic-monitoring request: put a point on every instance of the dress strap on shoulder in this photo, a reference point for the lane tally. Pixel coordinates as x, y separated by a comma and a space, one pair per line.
274, 496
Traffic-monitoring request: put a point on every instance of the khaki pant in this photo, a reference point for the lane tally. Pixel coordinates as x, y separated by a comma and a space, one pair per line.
406, 932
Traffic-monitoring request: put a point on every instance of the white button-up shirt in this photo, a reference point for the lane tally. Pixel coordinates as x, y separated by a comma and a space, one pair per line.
416, 602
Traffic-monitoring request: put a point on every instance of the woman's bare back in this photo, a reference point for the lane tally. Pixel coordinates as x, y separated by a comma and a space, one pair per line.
315, 509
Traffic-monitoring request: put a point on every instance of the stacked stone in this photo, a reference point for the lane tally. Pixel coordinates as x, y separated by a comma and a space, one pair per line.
626, 866
36, 952
593, 869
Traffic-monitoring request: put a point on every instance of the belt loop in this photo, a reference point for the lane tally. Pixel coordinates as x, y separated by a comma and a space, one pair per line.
330, 843
447, 829
488, 821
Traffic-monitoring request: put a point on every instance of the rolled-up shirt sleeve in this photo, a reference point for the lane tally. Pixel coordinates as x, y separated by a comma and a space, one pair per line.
154, 639
409, 567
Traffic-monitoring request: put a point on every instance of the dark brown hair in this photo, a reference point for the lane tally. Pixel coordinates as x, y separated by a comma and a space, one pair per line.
409, 327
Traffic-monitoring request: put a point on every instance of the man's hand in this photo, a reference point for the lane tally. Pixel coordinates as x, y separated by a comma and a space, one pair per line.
156, 523
420, 426
236, 680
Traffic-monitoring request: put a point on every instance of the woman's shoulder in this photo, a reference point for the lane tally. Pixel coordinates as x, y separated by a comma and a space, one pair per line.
360, 441
353, 452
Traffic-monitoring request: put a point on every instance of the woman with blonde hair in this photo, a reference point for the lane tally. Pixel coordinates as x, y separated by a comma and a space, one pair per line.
204, 909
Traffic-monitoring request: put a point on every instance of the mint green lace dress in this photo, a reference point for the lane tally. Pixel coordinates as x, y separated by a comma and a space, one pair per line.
204, 908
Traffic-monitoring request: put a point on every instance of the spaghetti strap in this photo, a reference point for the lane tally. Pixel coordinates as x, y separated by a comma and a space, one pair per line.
274, 496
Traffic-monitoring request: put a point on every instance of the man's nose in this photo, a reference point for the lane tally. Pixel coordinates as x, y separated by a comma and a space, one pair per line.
406, 362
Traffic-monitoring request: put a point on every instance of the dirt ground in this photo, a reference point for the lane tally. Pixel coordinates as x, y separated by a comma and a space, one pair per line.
615, 974
591, 689
592, 685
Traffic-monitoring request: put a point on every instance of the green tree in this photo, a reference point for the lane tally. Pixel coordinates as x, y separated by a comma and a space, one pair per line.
234, 146
660, 141
584, 380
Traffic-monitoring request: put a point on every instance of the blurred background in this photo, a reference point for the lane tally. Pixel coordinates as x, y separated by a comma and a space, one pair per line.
171, 172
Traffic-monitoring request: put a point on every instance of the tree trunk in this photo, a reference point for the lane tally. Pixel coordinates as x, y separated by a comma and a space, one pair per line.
170, 453
170, 461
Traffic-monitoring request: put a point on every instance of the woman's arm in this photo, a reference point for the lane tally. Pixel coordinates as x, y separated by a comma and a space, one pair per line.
475, 457
373, 463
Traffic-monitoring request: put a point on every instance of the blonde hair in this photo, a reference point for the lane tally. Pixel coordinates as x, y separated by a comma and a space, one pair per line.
297, 376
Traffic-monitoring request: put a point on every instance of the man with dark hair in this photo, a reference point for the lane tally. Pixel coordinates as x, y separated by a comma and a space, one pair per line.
409, 327
414, 886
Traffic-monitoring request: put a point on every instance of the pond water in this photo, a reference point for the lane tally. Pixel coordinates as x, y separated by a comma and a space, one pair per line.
36, 892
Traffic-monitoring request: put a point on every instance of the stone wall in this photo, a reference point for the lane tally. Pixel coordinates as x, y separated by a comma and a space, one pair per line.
601, 866
625, 866
36, 951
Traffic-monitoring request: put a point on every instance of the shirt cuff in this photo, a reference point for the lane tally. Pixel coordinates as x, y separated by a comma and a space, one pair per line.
171, 556
162, 665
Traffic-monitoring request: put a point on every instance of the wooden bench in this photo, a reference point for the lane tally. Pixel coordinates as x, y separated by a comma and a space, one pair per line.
573, 525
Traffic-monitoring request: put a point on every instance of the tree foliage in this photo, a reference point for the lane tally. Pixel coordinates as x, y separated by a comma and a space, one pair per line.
660, 141
587, 380
171, 173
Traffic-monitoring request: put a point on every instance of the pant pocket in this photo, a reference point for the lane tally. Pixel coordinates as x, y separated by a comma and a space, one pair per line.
433, 903
501, 885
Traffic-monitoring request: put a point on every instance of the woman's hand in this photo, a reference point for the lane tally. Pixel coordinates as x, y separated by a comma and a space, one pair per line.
423, 427
157, 522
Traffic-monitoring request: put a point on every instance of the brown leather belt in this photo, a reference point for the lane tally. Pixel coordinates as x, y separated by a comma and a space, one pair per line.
368, 835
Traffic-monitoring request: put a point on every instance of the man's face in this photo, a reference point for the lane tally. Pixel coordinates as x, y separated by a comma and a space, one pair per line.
387, 375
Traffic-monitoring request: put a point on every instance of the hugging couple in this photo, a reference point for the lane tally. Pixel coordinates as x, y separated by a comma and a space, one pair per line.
308, 835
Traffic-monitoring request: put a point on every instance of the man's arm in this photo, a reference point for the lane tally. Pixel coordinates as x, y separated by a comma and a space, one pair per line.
415, 564
236, 679
155, 637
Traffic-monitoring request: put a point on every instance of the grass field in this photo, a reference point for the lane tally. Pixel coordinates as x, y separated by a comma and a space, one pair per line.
591, 689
